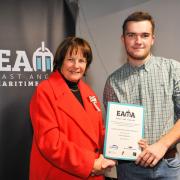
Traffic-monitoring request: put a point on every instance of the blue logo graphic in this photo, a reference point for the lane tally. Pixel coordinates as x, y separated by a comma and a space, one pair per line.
43, 59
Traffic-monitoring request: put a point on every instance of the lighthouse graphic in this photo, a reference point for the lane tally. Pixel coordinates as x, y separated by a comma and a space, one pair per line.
42, 59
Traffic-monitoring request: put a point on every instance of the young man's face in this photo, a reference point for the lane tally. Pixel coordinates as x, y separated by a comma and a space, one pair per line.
138, 39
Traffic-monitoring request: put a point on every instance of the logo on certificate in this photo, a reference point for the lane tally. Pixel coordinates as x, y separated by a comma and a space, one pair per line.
114, 147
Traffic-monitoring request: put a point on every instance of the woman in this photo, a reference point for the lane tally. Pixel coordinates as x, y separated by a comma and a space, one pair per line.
67, 120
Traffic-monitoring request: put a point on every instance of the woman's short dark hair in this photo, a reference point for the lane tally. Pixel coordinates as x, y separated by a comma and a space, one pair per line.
72, 43
138, 16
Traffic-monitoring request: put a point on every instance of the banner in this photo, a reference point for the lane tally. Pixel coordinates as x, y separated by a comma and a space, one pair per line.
30, 33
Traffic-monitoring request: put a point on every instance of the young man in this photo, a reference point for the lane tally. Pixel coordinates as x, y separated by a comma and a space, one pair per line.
153, 82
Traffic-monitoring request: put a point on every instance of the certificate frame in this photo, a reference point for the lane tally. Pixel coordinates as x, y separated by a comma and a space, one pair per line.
124, 128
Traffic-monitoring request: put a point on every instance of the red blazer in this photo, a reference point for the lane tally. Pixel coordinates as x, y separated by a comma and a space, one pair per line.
67, 137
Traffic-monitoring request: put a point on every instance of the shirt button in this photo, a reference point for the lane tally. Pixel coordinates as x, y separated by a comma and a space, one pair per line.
96, 150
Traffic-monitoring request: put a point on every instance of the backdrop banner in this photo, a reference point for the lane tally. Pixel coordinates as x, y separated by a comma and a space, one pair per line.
30, 31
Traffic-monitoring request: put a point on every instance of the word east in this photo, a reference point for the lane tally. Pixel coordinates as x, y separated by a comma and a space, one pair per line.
20, 76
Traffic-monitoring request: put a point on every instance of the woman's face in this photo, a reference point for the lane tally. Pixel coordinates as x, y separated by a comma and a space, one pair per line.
74, 65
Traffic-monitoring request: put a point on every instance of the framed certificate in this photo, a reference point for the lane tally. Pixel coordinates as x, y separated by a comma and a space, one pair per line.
124, 128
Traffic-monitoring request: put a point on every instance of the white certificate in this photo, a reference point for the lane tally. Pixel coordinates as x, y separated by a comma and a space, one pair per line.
124, 128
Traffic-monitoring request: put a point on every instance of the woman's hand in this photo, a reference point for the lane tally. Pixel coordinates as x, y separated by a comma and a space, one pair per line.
101, 164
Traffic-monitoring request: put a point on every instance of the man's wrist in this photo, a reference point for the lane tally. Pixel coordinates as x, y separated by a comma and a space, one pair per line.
164, 144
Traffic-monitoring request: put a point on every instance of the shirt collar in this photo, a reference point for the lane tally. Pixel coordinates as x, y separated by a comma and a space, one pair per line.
147, 66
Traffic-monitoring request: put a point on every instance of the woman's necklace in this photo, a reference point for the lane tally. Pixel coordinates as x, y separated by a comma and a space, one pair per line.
74, 90
73, 86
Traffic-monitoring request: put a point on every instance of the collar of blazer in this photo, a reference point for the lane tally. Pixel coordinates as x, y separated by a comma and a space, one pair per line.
69, 104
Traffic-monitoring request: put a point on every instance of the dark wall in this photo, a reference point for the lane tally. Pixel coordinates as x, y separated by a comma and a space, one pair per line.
24, 25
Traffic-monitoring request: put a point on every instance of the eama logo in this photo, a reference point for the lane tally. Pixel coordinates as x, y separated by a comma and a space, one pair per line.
23, 72
42, 59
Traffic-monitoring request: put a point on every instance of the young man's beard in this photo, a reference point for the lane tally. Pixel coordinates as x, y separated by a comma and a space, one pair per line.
138, 57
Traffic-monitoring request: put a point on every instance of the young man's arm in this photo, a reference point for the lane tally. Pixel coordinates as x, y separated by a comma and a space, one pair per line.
153, 153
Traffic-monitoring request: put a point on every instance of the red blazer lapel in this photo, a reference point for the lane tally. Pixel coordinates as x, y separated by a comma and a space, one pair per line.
71, 106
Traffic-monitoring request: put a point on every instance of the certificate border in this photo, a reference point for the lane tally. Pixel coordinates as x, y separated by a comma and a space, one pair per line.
107, 123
